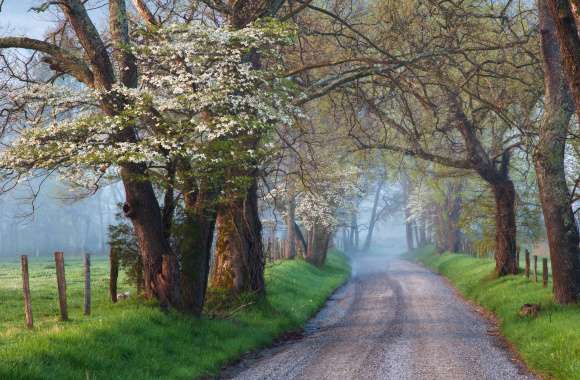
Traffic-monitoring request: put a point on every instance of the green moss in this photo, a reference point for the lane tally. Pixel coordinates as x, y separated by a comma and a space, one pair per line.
549, 344
135, 340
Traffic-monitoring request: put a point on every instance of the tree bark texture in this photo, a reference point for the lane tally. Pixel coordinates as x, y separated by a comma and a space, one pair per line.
497, 176
505, 224
141, 204
195, 242
318, 240
561, 227
239, 251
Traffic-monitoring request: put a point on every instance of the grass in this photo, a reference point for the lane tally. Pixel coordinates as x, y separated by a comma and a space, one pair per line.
135, 340
549, 343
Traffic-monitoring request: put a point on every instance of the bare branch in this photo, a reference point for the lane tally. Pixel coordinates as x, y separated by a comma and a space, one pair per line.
145, 12
59, 59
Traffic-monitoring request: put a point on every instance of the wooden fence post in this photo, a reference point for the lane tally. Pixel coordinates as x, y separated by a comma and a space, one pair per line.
114, 273
87, 305
61, 283
535, 268
518, 259
527, 264
280, 249
544, 272
26, 291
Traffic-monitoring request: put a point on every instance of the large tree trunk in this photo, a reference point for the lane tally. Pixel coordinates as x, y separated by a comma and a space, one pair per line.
300, 238
561, 226
569, 41
195, 242
318, 239
453, 203
505, 224
503, 190
142, 208
239, 251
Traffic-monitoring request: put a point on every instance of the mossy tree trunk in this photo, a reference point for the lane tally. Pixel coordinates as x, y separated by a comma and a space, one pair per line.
239, 265
505, 224
195, 242
561, 227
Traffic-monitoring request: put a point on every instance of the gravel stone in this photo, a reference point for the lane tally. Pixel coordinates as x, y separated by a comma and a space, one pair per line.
393, 320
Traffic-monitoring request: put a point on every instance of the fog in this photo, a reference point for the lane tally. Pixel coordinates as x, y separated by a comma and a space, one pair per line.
54, 221
58, 220
389, 232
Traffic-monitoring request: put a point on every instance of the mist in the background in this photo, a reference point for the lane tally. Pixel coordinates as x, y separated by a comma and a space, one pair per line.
56, 222
388, 237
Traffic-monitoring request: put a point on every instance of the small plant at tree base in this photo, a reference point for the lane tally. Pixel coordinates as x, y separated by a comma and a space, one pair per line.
122, 239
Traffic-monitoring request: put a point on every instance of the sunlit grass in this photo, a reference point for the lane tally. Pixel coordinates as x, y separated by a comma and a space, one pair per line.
135, 340
550, 343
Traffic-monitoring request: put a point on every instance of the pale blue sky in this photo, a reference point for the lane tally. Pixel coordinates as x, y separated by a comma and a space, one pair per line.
16, 18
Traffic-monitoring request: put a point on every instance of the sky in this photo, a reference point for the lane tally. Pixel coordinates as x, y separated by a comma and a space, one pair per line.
55, 225
16, 18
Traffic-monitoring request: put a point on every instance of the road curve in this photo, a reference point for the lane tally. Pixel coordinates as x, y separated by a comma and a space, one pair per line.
392, 320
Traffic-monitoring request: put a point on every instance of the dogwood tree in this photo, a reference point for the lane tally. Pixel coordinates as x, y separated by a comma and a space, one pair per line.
198, 91
196, 86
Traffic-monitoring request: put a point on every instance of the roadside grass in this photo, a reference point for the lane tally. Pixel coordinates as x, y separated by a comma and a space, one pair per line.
134, 339
549, 344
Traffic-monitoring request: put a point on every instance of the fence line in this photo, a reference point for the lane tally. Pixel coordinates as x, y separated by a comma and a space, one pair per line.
61, 284
26, 291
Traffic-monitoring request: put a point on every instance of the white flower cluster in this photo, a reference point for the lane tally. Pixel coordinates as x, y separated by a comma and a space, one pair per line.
333, 192
218, 80
197, 84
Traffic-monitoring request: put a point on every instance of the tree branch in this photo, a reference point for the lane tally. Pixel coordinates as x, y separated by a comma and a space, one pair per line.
59, 59
145, 13
91, 42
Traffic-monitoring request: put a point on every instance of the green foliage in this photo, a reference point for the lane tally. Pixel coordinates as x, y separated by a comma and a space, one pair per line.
135, 340
549, 344
122, 240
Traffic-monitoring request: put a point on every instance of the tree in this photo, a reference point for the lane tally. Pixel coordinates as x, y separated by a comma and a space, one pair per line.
555, 196
456, 102
179, 117
96, 70
374, 214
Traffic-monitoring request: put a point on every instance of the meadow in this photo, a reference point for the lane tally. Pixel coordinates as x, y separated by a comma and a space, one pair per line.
134, 339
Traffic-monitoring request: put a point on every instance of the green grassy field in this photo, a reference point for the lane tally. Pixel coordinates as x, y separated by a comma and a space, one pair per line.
135, 340
549, 344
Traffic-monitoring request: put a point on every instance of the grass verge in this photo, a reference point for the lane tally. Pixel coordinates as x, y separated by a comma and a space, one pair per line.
549, 343
134, 340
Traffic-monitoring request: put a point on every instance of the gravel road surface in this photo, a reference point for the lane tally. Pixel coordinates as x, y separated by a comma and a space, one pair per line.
392, 320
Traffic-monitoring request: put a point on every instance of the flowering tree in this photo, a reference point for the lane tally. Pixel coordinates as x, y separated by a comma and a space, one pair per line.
320, 200
84, 56
177, 124
177, 110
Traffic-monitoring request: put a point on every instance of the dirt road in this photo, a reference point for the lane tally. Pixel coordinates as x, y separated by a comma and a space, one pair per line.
393, 320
